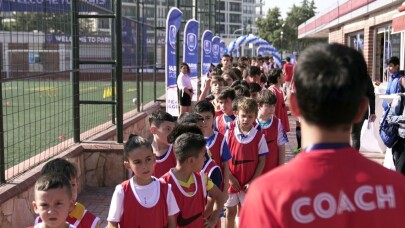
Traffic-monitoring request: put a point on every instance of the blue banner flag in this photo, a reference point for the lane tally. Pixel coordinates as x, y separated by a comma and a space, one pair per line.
172, 27
205, 55
55, 6
216, 58
222, 47
190, 52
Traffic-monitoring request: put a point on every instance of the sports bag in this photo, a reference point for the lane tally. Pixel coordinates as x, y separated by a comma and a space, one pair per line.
389, 131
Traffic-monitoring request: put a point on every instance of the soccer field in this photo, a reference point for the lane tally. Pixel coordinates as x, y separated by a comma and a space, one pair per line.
38, 114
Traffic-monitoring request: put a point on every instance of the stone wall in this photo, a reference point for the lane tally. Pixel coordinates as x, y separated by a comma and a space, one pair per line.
99, 162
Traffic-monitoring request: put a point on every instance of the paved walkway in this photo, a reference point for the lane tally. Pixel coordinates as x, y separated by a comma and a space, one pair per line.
97, 200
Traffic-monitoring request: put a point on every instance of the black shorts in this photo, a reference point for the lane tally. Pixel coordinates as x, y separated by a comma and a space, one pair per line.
185, 100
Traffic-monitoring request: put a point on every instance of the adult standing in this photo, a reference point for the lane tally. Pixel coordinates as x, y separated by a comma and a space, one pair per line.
396, 115
396, 83
370, 115
185, 87
288, 70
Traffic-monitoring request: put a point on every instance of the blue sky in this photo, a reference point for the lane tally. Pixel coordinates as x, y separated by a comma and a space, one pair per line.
285, 5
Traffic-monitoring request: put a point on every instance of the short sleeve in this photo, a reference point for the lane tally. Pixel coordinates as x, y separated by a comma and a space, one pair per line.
226, 153
263, 149
281, 135
117, 205
172, 206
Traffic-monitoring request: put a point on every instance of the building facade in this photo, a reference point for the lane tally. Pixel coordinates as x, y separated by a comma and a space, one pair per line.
370, 26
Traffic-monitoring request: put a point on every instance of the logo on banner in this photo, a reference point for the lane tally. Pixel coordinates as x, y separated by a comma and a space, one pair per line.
191, 41
49, 38
207, 46
215, 50
172, 36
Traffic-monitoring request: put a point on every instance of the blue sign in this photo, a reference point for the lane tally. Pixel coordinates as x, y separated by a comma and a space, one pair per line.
222, 48
216, 58
190, 51
172, 27
205, 55
46, 5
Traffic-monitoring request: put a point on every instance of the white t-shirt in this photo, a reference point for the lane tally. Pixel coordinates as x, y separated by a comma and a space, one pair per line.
147, 196
184, 81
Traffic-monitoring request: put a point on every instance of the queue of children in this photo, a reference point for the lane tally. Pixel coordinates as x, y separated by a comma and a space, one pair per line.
194, 166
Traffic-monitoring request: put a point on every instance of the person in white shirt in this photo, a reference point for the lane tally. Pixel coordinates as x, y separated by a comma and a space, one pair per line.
185, 87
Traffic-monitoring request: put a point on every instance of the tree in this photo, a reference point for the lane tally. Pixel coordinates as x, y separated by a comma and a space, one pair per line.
271, 27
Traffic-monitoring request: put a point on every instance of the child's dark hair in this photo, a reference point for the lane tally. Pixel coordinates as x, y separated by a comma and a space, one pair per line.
254, 87
237, 73
188, 145
227, 93
181, 129
61, 166
160, 116
330, 82
288, 59
247, 105
189, 117
240, 82
53, 180
217, 79
204, 106
274, 74
266, 97
241, 90
394, 60
254, 70
134, 142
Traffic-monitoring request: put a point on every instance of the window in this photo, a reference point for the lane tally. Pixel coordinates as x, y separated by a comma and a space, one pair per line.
235, 18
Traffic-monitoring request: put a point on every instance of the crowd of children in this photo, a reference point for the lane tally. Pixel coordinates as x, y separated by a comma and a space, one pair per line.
194, 166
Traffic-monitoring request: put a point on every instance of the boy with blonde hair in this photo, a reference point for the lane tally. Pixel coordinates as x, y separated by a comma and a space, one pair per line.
248, 149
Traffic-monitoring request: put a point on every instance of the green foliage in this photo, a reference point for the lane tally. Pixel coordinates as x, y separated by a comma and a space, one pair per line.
59, 23
271, 27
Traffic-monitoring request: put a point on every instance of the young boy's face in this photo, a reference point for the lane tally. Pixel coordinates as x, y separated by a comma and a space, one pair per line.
281, 78
226, 62
216, 88
141, 162
246, 119
53, 206
208, 122
226, 106
163, 131
267, 110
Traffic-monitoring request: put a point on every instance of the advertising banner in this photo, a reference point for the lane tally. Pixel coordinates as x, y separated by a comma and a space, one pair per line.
222, 47
205, 55
190, 52
216, 58
172, 27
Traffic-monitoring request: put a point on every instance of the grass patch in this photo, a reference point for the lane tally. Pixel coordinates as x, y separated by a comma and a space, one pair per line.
38, 114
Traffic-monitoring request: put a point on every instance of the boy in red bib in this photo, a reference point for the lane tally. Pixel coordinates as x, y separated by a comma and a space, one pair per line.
248, 149
276, 79
143, 200
161, 125
78, 216
272, 129
190, 184
329, 184
225, 98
